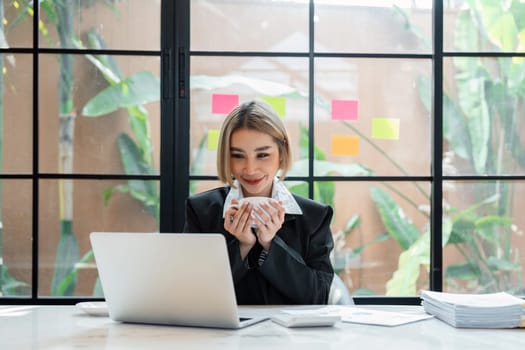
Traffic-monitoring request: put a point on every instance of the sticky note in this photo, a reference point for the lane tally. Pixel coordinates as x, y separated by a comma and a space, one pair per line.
213, 139
345, 145
385, 128
344, 110
277, 103
223, 103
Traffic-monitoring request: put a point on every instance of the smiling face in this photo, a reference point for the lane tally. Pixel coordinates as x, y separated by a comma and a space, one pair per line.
254, 161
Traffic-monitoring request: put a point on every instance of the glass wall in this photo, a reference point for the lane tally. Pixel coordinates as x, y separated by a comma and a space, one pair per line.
81, 147
367, 119
386, 125
353, 82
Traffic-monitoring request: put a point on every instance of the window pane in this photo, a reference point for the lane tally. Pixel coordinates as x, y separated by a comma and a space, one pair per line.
17, 25
16, 113
264, 25
483, 236
70, 210
370, 117
381, 235
198, 186
103, 124
220, 84
392, 26
16, 237
121, 24
484, 26
484, 116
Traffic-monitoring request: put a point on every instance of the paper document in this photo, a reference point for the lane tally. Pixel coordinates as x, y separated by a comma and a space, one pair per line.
367, 316
493, 310
380, 318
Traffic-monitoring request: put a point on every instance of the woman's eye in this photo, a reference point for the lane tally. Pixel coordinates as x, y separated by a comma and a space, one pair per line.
263, 155
236, 155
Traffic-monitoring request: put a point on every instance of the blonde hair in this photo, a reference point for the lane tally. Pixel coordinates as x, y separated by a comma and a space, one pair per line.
258, 116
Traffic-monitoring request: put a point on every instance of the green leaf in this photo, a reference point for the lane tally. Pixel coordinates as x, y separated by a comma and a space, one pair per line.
464, 271
498, 264
71, 277
492, 222
131, 157
97, 289
324, 192
139, 122
473, 102
379, 238
404, 279
352, 223
66, 257
403, 232
500, 26
424, 89
462, 231
96, 41
455, 129
140, 88
10, 286
466, 35
298, 187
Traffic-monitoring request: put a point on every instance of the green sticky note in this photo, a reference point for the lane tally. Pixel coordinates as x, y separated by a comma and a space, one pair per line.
385, 128
213, 139
277, 103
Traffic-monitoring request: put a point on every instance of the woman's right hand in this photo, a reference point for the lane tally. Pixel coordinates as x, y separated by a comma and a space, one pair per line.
237, 221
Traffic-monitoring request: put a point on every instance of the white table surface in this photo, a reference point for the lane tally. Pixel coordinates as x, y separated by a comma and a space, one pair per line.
67, 327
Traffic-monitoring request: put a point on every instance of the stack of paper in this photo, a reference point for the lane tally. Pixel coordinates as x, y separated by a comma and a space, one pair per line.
496, 310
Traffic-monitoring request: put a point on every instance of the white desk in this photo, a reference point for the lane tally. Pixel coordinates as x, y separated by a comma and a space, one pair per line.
66, 327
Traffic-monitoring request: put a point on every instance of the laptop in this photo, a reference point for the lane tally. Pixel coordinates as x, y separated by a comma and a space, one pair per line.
171, 279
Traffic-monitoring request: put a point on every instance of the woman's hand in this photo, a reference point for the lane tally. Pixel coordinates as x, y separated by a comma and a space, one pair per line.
238, 222
269, 219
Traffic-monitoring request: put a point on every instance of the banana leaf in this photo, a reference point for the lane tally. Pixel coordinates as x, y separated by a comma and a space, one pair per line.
66, 258
140, 88
397, 225
9, 285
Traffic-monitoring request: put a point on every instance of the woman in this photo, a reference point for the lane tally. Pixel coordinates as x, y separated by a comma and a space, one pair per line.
279, 250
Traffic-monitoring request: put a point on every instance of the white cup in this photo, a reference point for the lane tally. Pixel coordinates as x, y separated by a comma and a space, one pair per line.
255, 202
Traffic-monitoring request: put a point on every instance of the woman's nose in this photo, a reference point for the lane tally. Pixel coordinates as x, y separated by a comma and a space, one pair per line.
249, 166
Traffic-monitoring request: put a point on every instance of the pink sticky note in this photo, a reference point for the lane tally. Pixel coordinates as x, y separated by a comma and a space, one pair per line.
344, 109
223, 103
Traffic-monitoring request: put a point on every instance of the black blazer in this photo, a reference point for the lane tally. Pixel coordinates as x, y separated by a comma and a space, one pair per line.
297, 269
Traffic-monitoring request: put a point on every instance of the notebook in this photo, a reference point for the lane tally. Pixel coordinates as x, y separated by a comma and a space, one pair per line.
172, 279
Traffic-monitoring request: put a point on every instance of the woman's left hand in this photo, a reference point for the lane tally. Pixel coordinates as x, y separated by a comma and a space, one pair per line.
269, 219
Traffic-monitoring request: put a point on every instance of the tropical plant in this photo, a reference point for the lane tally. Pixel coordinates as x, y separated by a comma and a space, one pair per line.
136, 156
130, 93
482, 113
8, 284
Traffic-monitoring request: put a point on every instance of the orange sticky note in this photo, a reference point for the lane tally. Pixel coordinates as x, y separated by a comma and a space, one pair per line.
345, 145
213, 139
344, 110
223, 103
385, 128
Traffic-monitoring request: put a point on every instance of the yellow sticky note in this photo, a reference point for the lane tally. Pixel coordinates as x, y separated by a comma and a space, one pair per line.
213, 139
277, 103
345, 145
385, 128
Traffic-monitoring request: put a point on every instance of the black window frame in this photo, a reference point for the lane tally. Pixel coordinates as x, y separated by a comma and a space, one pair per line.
175, 56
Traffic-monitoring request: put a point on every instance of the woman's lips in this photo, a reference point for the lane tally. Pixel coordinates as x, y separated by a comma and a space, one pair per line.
254, 182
